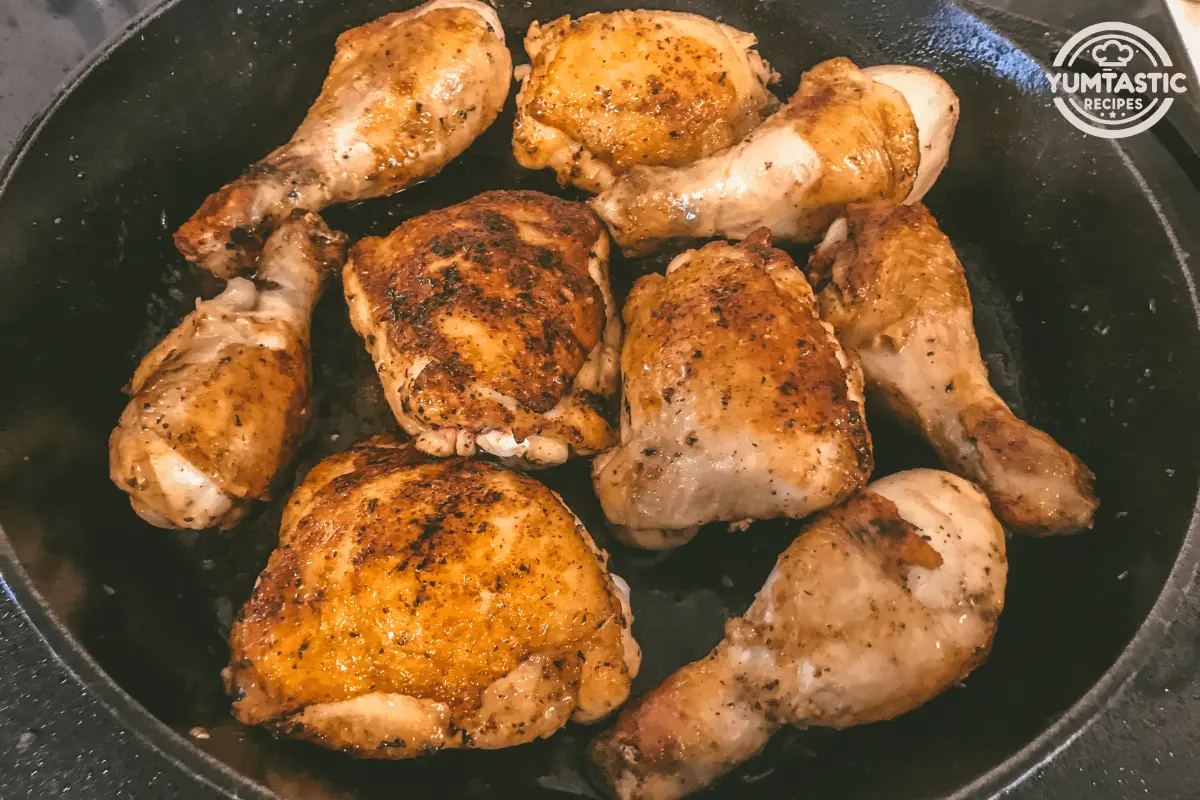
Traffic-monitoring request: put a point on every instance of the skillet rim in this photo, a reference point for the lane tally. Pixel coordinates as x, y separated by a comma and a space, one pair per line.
200, 766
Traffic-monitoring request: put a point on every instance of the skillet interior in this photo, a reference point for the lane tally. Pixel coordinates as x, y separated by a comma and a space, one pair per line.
1080, 302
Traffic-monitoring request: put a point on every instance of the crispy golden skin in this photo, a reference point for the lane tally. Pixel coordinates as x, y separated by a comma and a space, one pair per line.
404, 96
491, 323
417, 604
738, 403
220, 404
607, 92
878, 606
841, 138
897, 295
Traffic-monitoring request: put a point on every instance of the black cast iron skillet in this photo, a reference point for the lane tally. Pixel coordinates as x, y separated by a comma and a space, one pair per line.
1075, 249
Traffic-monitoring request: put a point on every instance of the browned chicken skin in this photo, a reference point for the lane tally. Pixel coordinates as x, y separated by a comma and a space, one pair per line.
607, 92
492, 326
404, 96
738, 402
877, 607
846, 135
897, 295
220, 404
417, 604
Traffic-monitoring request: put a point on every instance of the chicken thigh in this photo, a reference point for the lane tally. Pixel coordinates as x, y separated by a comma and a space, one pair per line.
897, 295
879, 605
492, 326
404, 96
220, 404
607, 92
739, 404
847, 135
417, 604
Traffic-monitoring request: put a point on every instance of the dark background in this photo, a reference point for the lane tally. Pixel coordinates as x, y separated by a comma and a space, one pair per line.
58, 739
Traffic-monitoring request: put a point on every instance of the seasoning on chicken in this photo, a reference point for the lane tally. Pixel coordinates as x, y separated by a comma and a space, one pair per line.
847, 135
897, 295
220, 404
607, 92
878, 606
404, 96
417, 604
492, 327
738, 403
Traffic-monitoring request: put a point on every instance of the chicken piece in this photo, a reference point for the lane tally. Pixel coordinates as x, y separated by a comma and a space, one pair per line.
417, 604
897, 295
404, 96
739, 404
877, 607
220, 404
493, 327
607, 92
847, 135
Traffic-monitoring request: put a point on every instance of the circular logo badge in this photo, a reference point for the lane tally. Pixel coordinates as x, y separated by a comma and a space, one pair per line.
1114, 80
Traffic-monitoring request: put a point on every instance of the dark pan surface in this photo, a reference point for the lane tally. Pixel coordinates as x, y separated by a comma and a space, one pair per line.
1082, 307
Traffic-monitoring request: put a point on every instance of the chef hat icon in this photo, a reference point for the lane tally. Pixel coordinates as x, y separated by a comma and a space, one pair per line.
1112, 53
